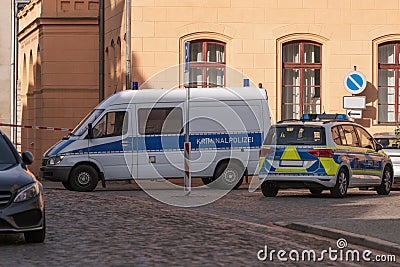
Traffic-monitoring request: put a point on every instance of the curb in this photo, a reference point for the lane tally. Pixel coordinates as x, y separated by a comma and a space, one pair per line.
357, 239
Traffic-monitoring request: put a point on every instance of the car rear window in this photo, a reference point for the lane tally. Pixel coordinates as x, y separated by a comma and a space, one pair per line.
7, 157
388, 143
295, 135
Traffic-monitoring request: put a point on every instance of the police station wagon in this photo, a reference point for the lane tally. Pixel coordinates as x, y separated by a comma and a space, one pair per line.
319, 152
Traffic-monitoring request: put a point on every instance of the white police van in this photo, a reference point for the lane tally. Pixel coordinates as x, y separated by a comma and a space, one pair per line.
140, 134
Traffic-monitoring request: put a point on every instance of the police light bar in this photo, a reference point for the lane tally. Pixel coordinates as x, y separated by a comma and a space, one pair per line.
318, 117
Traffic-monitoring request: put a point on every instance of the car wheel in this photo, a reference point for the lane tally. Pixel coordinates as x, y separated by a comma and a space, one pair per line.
84, 178
342, 183
386, 184
37, 236
269, 189
207, 180
228, 175
67, 185
316, 191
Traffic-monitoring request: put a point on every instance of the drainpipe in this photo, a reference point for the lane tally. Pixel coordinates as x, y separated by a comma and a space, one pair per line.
17, 5
101, 50
14, 72
128, 43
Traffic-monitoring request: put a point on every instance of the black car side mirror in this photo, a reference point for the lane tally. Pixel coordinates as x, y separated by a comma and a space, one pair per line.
378, 147
27, 158
90, 131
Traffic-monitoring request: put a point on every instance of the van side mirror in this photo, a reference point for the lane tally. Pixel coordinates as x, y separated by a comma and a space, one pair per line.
378, 147
90, 131
27, 158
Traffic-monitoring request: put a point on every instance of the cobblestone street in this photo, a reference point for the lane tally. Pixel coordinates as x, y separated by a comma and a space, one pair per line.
127, 228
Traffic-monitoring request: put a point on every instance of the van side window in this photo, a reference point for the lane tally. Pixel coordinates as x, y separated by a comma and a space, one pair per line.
111, 124
160, 121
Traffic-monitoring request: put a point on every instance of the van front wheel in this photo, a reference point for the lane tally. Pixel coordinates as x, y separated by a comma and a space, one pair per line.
84, 178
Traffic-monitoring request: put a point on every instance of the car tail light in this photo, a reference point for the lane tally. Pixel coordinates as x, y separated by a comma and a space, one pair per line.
265, 152
324, 153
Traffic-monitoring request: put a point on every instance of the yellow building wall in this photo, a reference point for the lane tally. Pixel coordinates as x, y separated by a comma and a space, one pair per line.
254, 30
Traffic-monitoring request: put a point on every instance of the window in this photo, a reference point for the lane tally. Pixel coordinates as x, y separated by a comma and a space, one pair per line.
388, 143
350, 136
207, 64
112, 124
160, 121
295, 135
336, 136
7, 156
301, 79
388, 82
365, 138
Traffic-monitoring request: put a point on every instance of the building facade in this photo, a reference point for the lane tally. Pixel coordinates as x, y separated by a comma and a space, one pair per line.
300, 50
58, 68
5, 64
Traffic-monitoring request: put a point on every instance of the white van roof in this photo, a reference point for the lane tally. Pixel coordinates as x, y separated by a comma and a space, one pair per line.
179, 95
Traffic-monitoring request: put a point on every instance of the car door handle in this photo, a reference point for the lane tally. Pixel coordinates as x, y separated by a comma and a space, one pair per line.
125, 143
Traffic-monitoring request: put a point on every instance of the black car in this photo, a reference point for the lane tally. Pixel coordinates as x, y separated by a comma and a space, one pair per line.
21, 195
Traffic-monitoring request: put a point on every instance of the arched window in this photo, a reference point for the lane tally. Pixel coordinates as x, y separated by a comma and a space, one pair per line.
113, 67
118, 66
31, 76
38, 75
206, 63
388, 82
301, 79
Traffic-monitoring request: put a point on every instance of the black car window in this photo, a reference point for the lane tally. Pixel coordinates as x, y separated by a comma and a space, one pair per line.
7, 157
388, 143
295, 135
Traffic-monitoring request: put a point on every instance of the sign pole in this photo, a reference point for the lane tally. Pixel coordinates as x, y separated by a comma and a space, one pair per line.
187, 145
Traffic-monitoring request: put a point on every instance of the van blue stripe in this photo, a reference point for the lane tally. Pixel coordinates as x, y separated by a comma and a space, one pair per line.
58, 147
175, 142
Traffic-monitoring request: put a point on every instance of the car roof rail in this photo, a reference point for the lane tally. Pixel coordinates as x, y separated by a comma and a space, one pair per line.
288, 120
329, 121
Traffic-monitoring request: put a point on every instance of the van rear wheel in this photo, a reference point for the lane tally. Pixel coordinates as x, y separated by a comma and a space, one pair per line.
84, 178
228, 175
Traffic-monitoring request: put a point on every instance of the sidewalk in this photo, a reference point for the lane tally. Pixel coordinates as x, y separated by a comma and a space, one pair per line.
381, 235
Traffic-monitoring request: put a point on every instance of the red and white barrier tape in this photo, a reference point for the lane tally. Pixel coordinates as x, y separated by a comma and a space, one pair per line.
37, 127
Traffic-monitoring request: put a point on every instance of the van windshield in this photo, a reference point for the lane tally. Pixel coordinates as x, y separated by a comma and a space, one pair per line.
90, 118
295, 135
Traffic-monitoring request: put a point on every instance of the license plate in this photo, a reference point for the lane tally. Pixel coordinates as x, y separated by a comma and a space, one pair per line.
291, 163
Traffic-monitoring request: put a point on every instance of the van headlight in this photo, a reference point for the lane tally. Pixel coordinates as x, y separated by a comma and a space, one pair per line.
54, 160
27, 192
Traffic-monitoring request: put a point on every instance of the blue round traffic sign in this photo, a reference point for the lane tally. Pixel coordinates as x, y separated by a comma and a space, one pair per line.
355, 82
